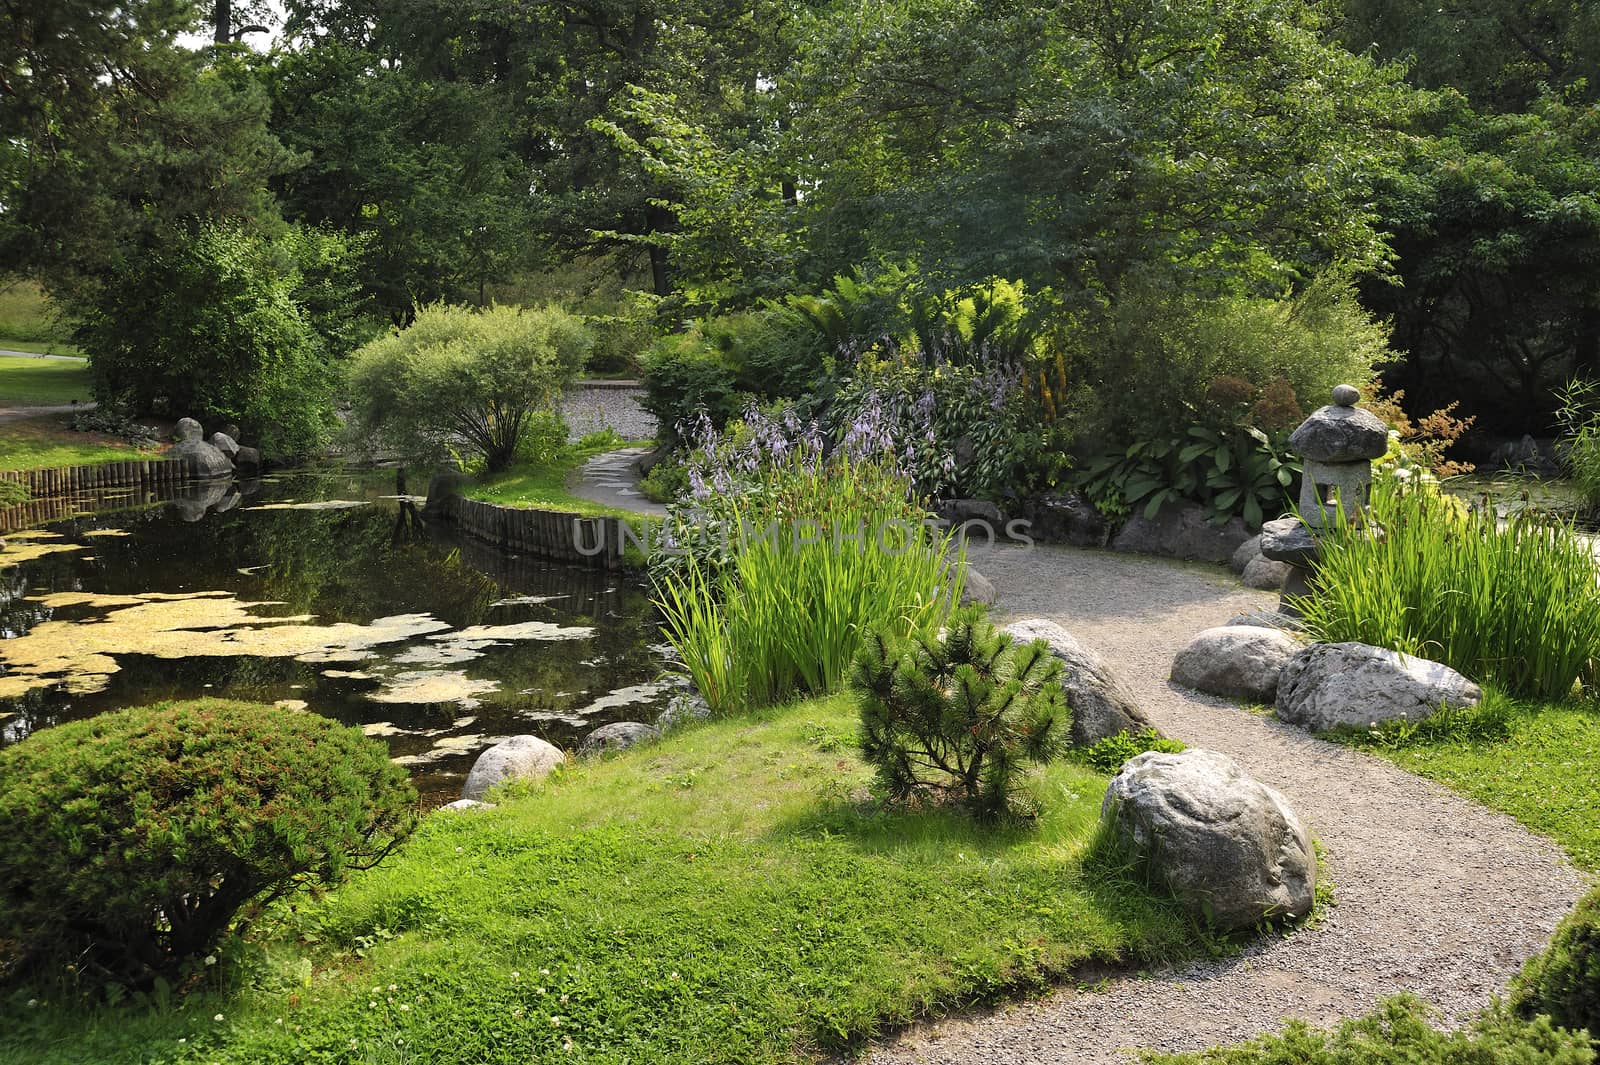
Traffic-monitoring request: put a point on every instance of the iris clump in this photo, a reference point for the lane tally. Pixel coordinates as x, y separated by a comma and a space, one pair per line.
786, 552
1514, 604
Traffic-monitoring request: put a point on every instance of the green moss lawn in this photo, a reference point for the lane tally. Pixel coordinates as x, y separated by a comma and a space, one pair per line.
1541, 767
42, 443
724, 896
545, 485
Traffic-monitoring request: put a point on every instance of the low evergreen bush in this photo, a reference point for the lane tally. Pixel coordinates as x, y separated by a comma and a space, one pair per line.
1399, 1033
958, 714
136, 839
1563, 983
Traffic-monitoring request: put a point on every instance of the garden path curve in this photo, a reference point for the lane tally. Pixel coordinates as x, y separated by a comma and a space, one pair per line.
1436, 895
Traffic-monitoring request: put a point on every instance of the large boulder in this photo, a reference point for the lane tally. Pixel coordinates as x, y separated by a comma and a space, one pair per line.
225, 444
1065, 519
1101, 703
1354, 685
1181, 531
617, 736
518, 758
1227, 846
204, 461
1236, 662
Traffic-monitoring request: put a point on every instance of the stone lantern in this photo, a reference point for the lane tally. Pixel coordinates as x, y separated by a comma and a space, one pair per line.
1336, 445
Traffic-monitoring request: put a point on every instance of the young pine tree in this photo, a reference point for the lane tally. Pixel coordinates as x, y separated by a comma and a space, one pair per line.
958, 714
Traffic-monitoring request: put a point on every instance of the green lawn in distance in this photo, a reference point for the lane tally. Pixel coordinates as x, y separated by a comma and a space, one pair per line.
43, 382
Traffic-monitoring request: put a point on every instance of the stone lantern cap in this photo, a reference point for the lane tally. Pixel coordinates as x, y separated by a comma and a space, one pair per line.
1341, 433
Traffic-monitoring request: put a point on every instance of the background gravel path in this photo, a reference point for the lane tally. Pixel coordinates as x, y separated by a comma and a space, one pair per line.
1435, 894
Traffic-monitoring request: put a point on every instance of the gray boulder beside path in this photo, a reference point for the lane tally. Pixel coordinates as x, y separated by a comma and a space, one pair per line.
1354, 685
1228, 847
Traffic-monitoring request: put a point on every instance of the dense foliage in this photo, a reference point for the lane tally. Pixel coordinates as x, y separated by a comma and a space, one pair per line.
458, 379
226, 324
1517, 607
959, 714
1563, 983
139, 837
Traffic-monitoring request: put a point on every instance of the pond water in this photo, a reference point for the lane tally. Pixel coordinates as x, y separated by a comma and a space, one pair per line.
310, 590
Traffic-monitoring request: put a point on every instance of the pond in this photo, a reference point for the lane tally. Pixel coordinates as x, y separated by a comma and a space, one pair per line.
312, 592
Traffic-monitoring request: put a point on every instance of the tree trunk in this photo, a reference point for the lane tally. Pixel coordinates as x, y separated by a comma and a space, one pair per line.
222, 21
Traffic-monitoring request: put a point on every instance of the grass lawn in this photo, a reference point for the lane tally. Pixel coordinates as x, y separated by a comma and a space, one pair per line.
42, 443
42, 382
723, 896
1542, 769
544, 487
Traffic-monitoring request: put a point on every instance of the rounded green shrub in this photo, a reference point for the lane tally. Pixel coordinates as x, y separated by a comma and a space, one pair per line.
1564, 982
136, 839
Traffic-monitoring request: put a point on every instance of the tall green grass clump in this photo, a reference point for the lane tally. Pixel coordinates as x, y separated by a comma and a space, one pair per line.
1515, 605
780, 561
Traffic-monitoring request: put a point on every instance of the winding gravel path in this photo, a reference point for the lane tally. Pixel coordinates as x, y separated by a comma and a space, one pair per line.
1435, 894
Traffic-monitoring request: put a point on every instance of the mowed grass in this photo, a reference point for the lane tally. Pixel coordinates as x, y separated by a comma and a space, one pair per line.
727, 895
1539, 762
27, 321
44, 443
43, 382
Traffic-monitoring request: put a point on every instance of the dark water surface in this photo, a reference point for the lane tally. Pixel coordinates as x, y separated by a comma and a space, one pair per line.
437, 645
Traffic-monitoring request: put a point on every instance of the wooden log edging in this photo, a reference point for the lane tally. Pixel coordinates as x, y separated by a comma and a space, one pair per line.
61, 492
560, 536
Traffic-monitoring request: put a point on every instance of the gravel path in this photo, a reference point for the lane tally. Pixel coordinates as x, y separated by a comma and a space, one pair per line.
1435, 894
609, 479
10, 413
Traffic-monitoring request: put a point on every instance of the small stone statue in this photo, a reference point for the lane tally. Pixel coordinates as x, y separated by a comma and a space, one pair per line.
1337, 445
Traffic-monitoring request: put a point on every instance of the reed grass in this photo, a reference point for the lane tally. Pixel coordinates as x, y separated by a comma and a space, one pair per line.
1513, 604
821, 557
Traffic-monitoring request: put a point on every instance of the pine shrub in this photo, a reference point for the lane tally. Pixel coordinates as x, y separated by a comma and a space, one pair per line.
958, 714
136, 839
1564, 982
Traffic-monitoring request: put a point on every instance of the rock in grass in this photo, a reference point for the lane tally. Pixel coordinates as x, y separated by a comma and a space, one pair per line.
683, 707
1354, 685
617, 736
1102, 706
467, 805
1235, 661
1228, 847
518, 758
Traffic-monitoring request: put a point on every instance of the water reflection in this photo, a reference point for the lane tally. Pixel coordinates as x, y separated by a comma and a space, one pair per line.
322, 590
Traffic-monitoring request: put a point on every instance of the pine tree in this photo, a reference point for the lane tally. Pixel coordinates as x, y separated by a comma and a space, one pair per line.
957, 714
